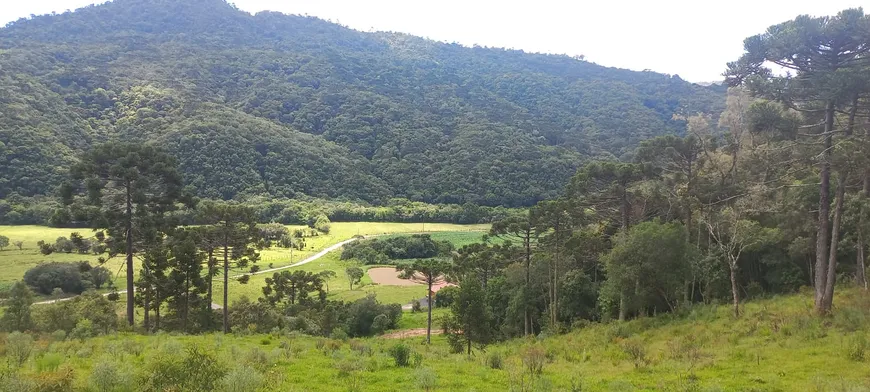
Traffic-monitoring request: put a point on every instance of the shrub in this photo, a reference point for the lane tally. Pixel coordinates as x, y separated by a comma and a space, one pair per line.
84, 329
58, 336
380, 324
19, 346
46, 277
245, 312
360, 347
17, 314
533, 358
426, 379
445, 297
401, 354
494, 360
362, 313
636, 352
107, 377
417, 360
241, 379
857, 348
57, 381
49, 362
195, 371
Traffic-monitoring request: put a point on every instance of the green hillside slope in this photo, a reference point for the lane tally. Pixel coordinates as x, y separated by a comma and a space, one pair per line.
401, 115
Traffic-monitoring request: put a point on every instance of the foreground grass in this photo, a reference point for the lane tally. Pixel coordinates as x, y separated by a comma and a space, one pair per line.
776, 345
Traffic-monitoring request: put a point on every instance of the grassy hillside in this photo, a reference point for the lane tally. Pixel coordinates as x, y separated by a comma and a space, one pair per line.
285, 105
776, 345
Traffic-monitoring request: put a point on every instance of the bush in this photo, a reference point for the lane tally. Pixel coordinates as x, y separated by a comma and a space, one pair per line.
57, 381
445, 297
58, 336
46, 277
241, 379
857, 348
245, 312
401, 354
195, 371
107, 377
17, 314
533, 358
426, 379
380, 324
49, 362
84, 329
361, 316
19, 346
636, 352
494, 360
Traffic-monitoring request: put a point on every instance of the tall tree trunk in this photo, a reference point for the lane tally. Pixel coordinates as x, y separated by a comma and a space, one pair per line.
210, 275
226, 288
156, 309
823, 229
128, 233
735, 292
186, 301
146, 319
625, 212
527, 316
835, 239
622, 306
429, 310
861, 259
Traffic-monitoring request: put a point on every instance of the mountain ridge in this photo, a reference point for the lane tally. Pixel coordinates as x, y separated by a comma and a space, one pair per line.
412, 117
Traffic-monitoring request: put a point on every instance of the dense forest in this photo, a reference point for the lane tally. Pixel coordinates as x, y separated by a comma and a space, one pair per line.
289, 106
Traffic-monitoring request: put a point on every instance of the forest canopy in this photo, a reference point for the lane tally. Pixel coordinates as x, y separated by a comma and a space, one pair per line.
290, 106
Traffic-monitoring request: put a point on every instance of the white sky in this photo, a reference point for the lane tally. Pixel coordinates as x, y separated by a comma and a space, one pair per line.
692, 38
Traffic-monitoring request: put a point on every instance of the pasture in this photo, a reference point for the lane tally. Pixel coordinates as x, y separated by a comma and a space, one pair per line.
14, 262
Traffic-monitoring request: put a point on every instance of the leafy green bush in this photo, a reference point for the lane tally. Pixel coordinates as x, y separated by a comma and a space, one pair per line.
46, 277
107, 376
241, 379
19, 346
446, 296
495, 360
401, 354
361, 314
426, 379
196, 370
533, 358
857, 348
84, 329
636, 352
49, 362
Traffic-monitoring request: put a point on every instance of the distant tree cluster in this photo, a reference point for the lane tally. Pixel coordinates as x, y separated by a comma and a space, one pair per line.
385, 251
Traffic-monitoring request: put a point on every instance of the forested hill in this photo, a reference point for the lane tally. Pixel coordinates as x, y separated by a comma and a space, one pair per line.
289, 105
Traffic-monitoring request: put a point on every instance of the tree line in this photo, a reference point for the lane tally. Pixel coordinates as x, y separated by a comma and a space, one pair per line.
773, 196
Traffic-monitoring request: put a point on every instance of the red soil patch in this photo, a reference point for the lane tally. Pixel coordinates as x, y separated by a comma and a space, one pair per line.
389, 276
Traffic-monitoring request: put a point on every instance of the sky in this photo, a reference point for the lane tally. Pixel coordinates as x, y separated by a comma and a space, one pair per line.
690, 38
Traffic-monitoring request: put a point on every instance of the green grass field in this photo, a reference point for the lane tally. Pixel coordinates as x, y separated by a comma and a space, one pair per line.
457, 238
776, 345
14, 263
